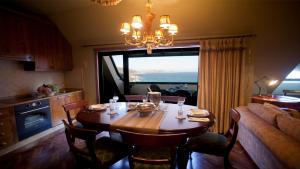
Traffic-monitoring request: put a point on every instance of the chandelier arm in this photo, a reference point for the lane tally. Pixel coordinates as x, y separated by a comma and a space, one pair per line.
129, 42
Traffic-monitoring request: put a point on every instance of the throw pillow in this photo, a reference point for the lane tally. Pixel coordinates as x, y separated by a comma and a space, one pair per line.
266, 112
256, 108
274, 108
289, 125
294, 113
271, 111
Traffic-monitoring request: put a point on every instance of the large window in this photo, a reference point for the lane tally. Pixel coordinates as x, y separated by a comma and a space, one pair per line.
118, 63
173, 69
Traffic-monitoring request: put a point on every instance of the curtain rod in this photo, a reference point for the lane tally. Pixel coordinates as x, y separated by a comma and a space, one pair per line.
181, 40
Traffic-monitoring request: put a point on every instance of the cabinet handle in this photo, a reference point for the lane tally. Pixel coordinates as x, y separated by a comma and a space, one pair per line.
3, 144
2, 134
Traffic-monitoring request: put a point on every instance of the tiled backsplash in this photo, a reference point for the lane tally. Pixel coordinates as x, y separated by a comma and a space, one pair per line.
15, 81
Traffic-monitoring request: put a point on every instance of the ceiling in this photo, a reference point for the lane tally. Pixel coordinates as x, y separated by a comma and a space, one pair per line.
84, 22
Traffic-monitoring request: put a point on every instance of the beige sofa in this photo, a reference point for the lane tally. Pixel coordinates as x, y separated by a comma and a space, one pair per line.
270, 136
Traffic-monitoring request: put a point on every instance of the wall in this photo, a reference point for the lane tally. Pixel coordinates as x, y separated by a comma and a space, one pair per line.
276, 24
84, 73
15, 81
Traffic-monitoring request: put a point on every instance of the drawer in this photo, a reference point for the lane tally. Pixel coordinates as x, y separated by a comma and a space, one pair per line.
7, 140
5, 112
8, 134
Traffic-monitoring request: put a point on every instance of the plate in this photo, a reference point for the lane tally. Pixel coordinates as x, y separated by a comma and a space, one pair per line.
97, 107
198, 113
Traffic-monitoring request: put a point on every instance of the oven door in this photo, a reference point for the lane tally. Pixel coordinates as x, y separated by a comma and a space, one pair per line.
33, 121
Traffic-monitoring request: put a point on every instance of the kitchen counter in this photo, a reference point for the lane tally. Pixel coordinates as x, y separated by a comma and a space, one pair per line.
15, 100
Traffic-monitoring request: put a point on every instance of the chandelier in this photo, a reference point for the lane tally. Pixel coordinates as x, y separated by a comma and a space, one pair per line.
140, 34
107, 2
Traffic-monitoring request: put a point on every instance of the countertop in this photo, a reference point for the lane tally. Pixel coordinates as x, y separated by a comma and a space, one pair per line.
15, 100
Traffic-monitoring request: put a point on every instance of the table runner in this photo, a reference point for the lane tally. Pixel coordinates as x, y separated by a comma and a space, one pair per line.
134, 122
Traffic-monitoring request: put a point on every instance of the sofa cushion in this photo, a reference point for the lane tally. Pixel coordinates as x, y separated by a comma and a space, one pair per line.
266, 111
285, 148
295, 114
289, 125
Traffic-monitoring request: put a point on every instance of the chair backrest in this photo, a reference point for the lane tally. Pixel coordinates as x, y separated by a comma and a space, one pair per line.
74, 106
153, 141
73, 133
233, 128
130, 98
154, 88
170, 99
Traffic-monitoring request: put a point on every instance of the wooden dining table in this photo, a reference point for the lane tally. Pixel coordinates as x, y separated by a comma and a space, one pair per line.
159, 121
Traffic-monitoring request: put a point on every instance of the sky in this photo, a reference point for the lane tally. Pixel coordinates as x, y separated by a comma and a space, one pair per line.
162, 64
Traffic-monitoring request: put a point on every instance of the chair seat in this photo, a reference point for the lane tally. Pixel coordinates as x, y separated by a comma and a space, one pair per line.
108, 150
78, 124
150, 153
209, 143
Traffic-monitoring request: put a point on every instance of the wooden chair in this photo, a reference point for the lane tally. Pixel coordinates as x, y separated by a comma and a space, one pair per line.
96, 154
75, 107
130, 98
170, 99
216, 144
150, 150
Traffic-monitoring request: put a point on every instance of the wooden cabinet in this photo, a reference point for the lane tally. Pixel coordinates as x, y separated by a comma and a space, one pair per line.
8, 134
33, 38
56, 103
280, 101
14, 42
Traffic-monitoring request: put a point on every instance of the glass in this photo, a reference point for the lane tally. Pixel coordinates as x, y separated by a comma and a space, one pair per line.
145, 99
111, 104
162, 106
118, 60
164, 69
115, 100
180, 103
154, 97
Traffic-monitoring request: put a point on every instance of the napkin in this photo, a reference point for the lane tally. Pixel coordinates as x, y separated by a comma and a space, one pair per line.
198, 119
198, 113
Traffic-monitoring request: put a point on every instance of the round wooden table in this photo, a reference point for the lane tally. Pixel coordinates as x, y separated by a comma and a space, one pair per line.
167, 123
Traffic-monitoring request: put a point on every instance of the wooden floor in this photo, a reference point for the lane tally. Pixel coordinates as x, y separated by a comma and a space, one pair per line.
52, 152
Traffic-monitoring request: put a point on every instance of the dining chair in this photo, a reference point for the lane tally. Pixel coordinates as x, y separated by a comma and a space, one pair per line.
130, 98
152, 150
170, 99
90, 152
214, 143
75, 107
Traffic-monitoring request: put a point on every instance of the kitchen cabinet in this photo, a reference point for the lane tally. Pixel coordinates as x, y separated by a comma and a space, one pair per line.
34, 39
8, 134
57, 102
14, 42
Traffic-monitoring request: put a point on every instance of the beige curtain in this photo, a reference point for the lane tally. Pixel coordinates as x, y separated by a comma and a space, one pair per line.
225, 77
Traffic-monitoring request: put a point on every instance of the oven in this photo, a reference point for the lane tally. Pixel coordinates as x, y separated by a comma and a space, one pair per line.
32, 118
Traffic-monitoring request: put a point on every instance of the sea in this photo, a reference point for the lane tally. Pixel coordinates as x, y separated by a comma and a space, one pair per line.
191, 77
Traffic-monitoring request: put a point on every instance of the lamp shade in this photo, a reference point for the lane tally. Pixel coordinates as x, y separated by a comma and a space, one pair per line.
137, 22
164, 21
125, 28
173, 29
